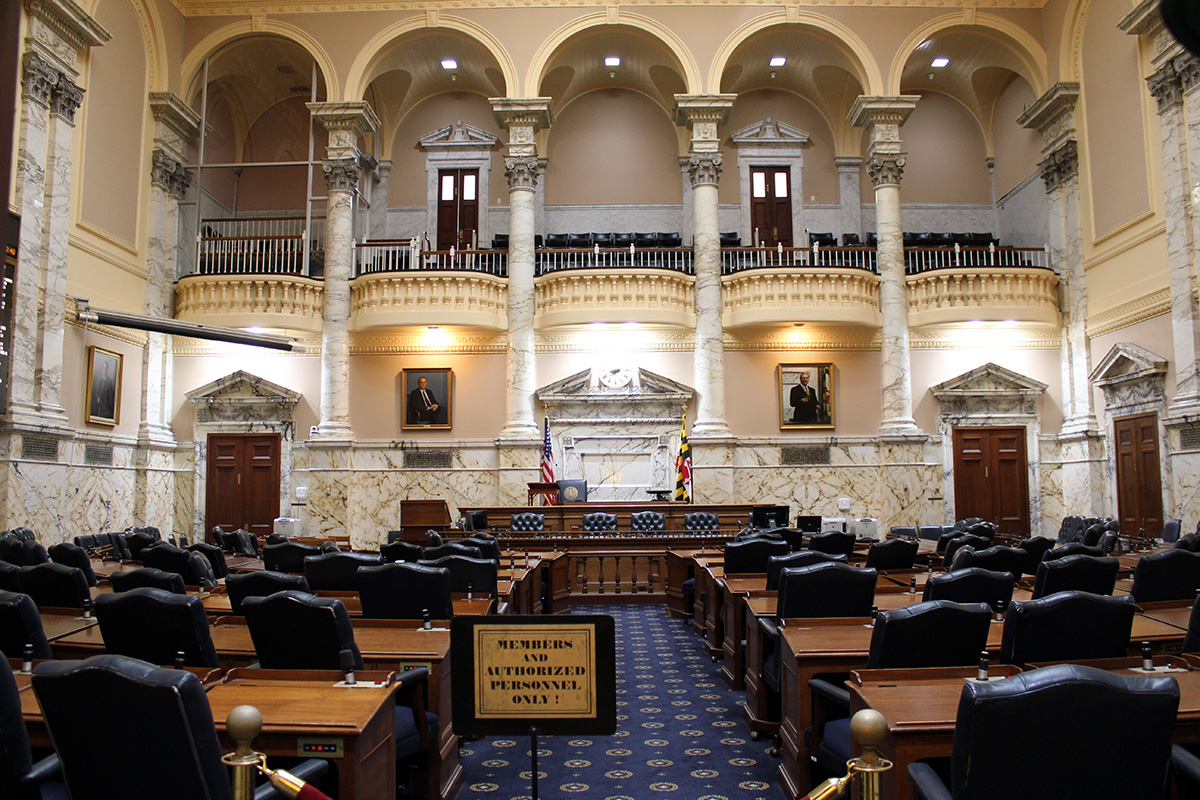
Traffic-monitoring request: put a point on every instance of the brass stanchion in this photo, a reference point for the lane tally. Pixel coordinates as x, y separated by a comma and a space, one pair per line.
243, 724
868, 728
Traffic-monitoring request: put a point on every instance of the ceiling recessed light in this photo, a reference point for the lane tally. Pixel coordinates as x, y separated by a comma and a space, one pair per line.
449, 63
778, 61
612, 61
939, 62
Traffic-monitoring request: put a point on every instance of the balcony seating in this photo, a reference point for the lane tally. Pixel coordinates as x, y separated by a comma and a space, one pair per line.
730, 239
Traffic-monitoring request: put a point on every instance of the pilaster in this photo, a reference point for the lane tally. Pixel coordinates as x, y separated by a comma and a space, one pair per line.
849, 170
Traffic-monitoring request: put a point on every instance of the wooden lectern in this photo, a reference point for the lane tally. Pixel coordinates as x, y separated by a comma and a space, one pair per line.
549, 490
419, 516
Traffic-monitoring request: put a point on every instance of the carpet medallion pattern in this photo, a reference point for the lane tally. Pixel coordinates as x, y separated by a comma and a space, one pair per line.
680, 734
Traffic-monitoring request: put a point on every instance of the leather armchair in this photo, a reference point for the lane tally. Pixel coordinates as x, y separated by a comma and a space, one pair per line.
20, 624
337, 571
892, 554
796, 558
73, 556
262, 583
999, 558
701, 521
972, 585
977, 542
598, 522
244, 542
1035, 549
908, 531
21, 778
10, 577
154, 625
55, 585
451, 549
400, 551
297, 630
1068, 626
832, 589
1171, 575
527, 522
148, 577
1170, 531
1071, 549
647, 521
488, 548
194, 567
32, 552
288, 557
477, 575
405, 591
833, 542
215, 556
1094, 574
751, 555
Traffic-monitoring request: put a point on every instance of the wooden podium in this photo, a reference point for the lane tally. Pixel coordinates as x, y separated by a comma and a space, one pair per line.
419, 516
549, 490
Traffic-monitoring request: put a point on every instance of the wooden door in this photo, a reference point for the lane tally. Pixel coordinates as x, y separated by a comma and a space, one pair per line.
771, 205
458, 208
243, 482
1139, 481
991, 477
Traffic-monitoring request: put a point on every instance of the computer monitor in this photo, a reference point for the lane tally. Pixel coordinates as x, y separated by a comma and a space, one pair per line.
769, 516
808, 523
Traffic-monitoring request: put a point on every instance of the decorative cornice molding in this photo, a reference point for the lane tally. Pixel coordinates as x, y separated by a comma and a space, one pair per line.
214, 8
69, 22
1152, 305
1053, 115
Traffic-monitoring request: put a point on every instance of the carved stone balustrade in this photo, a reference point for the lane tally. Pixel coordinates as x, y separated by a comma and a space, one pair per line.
811, 294
590, 295
429, 298
239, 301
978, 293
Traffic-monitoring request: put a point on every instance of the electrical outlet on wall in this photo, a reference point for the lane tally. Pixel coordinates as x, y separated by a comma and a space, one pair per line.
843, 504
301, 492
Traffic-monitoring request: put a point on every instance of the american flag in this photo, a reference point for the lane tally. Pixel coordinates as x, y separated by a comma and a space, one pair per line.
548, 463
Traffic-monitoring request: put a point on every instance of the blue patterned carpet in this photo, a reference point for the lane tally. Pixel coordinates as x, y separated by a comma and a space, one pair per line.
680, 734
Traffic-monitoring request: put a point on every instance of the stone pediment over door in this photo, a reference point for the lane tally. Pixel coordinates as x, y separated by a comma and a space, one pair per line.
617, 428
989, 391
459, 136
241, 397
1132, 379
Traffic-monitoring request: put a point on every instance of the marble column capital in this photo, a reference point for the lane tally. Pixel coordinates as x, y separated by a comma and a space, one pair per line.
522, 172
38, 78
345, 122
1053, 115
885, 169
1188, 68
65, 99
169, 174
1060, 165
704, 168
1166, 86
341, 174
176, 125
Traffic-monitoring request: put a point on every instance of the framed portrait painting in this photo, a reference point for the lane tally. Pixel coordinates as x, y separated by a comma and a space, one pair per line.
805, 395
427, 398
103, 386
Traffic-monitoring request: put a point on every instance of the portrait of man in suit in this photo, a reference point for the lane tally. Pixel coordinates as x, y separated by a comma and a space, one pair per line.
427, 398
806, 396
104, 386
805, 406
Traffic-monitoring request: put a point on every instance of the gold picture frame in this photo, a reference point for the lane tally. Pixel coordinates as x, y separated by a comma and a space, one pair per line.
103, 386
806, 396
438, 393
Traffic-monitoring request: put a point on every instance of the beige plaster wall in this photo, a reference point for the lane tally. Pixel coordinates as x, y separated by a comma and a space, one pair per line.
76, 342
1017, 149
946, 160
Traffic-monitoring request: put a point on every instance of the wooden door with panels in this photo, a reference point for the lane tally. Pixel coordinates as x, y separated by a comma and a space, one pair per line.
457, 208
991, 477
243, 481
771, 205
1139, 479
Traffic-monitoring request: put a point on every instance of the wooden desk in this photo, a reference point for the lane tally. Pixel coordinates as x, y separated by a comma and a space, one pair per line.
57, 624
218, 605
1173, 612
680, 566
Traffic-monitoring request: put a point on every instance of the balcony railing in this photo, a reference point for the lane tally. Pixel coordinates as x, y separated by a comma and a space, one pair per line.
260, 246
924, 259
676, 259
737, 259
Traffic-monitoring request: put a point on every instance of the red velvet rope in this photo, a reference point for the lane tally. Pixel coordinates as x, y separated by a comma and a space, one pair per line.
310, 793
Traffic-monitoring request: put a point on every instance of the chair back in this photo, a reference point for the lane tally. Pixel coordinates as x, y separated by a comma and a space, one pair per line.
400, 551
1072, 549
138, 541
527, 522
405, 591
450, 549
244, 542
598, 521
337, 571
1189, 542
939, 633
1191, 642
10, 577
972, 585
488, 548
1094, 574
892, 554
826, 590
32, 552
16, 757
931, 532
796, 558
218, 537
835, 543
647, 521
261, 583
287, 557
1010, 735
1035, 548
148, 577
467, 574
977, 542
906, 532
154, 625
701, 521
1068, 626
215, 556
10, 549
999, 558
1170, 530
751, 555
168, 748
73, 556
20, 624
1170, 575
55, 585
297, 630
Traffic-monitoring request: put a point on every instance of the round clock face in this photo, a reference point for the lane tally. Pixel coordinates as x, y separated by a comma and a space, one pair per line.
616, 377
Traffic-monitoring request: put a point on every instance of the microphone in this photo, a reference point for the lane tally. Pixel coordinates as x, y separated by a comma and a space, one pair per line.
346, 659
27, 660
1147, 659
425, 616
179, 659
983, 666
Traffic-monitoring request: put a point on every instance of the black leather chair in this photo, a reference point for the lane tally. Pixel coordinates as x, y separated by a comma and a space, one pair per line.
647, 522
905, 532
10, 577
1091, 536
476, 575
892, 554
999, 558
527, 522
125, 728
834, 542
796, 558
696, 521
20, 777
155, 625
1170, 531
971, 586
488, 548
450, 549
433, 538
55, 585
1170, 575
73, 556
1191, 642
400, 551
1189, 542
137, 541
1035, 549
751, 555
329, 547
932, 532
277, 538
1072, 549
218, 538
337, 572
1068, 626
730, 239
194, 567
288, 557
598, 521
148, 577
973, 540
1048, 733
298, 630
20, 625
243, 542
405, 591
10, 549
1094, 574
32, 552
215, 556
261, 583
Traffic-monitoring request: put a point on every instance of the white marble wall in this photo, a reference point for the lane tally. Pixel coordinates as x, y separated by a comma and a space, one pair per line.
614, 219
1024, 214
936, 217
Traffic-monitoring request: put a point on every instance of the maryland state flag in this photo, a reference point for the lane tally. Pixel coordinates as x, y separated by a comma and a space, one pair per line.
683, 468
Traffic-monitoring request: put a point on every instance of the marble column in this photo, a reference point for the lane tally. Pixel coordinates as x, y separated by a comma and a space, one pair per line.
345, 123
882, 118
522, 118
381, 181
702, 114
849, 170
1052, 115
990, 163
